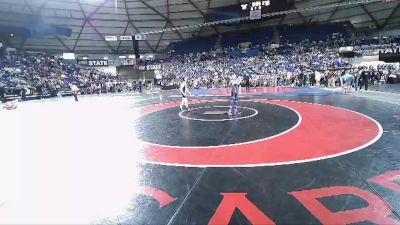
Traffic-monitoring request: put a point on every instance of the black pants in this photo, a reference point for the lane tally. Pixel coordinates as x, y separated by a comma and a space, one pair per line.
313, 81
301, 82
364, 82
2, 95
76, 96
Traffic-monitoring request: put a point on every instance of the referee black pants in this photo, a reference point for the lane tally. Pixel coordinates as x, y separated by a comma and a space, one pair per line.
364, 82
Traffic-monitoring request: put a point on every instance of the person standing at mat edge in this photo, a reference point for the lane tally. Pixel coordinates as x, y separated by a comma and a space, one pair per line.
346, 81
235, 91
2, 92
247, 82
184, 92
365, 74
74, 90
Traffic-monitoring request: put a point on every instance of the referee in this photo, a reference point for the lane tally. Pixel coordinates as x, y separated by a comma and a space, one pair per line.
247, 82
365, 74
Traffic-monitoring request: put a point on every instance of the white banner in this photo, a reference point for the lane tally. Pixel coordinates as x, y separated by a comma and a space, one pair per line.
154, 67
346, 49
275, 45
151, 67
111, 38
140, 37
97, 62
67, 55
125, 38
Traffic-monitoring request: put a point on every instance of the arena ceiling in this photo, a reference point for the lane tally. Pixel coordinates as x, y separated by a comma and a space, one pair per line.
91, 20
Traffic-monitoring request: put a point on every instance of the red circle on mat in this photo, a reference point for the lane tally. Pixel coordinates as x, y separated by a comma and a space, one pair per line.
324, 132
252, 91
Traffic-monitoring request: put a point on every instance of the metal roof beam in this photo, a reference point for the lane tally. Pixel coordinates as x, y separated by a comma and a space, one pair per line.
284, 16
166, 24
36, 15
87, 20
390, 16
101, 19
161, 37
160, 14
79, 35
120, 42
62, 42
87, 17
197, 8
134, 27
348, 16
370, 16
203, 14
208, 8
300, 15
334, 12
358, 14
100, 35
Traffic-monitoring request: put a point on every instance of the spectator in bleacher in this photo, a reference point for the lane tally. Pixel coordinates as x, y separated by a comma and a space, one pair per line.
45, 73
2, 92
23, 92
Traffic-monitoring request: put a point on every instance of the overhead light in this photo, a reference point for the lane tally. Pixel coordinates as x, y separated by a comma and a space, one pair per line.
105, 58
84, 58
122, 57
12, 35
132, 56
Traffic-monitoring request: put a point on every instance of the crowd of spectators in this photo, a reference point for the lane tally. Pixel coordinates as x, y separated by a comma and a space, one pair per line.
306, 63
25, 74
292, 64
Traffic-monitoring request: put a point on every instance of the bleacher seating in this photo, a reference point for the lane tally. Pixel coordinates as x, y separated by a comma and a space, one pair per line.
296, 34
45, 75
255, 36
201, 44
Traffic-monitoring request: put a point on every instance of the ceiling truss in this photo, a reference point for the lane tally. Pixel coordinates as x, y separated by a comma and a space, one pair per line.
91, 22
